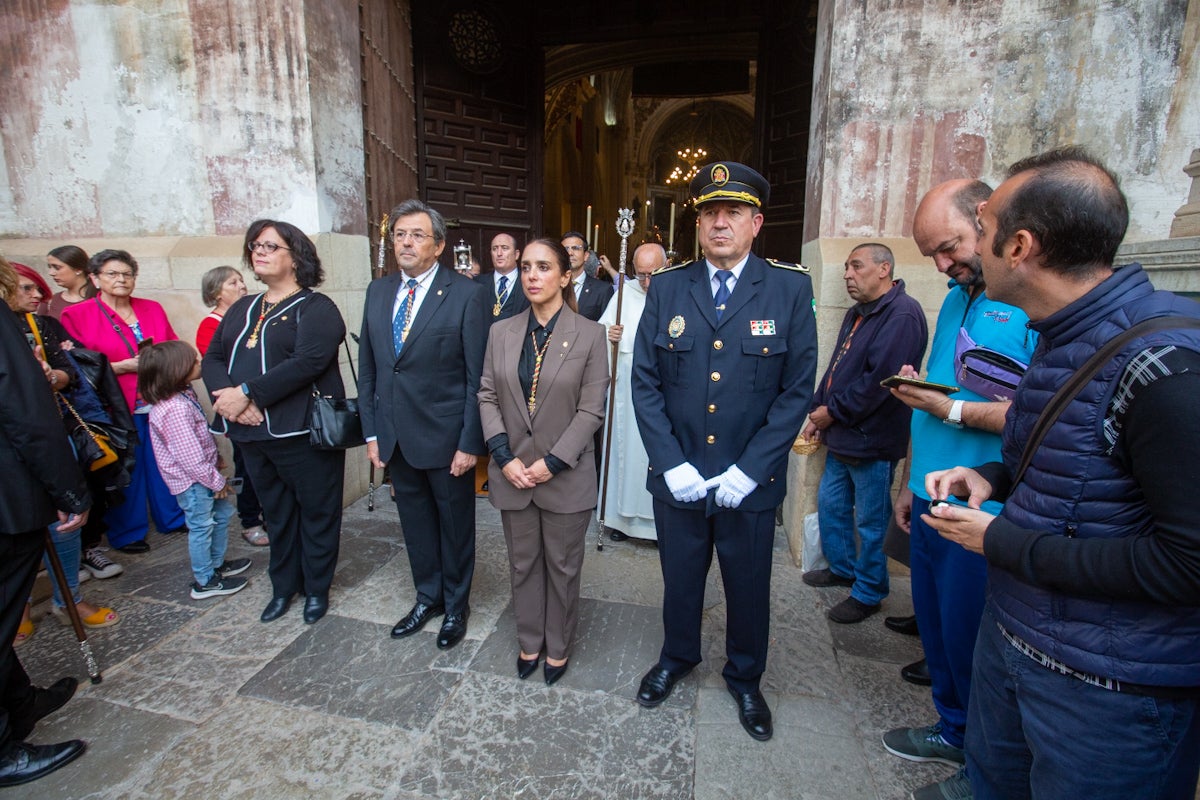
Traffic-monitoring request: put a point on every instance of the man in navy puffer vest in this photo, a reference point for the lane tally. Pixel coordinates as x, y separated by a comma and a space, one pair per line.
1087, 667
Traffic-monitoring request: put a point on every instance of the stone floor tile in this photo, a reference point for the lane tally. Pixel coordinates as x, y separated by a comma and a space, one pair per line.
53, 652
355, 669
615, 643
502, 738
125, 749
264, 751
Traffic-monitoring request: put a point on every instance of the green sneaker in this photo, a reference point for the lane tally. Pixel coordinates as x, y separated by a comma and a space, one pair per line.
956, 787
923, 744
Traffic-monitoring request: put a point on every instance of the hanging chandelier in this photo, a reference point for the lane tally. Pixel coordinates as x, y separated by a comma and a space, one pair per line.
690, 156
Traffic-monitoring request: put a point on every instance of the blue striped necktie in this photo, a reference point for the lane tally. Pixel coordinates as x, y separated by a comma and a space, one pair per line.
403, 318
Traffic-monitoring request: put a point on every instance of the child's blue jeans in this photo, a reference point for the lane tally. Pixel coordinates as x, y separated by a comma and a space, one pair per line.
208, 529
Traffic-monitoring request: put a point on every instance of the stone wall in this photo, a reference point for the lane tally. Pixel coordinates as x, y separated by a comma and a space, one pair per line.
913, 92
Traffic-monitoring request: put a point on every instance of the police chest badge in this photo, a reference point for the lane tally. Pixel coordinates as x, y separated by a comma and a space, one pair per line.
762, 327
676, 326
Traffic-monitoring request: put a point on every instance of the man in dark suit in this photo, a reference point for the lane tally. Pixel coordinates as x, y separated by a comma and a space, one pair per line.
504, 283
590, 293
423, 334
723, 371
41, 483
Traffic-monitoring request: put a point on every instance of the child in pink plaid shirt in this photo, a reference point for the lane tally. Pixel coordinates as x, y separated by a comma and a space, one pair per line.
189, 463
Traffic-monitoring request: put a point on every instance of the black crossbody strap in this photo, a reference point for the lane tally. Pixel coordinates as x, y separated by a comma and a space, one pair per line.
115, 327
1063, 397
346, 344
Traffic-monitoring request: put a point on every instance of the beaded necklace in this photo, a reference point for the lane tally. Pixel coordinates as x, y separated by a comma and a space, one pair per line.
264, 310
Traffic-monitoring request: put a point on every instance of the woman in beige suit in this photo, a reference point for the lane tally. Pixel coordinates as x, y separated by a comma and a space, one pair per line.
541, 399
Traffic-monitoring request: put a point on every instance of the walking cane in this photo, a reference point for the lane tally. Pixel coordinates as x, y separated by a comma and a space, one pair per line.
85, 647
376, 273
624, 229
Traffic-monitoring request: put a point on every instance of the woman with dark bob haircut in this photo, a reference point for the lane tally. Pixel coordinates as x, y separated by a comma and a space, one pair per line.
271, 351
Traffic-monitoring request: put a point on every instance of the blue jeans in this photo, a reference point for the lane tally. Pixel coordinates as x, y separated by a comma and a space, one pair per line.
67, 547
208, 529
947, 592
857, 497
1035, 733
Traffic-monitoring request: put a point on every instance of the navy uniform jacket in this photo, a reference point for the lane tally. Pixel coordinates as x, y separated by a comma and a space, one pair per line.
734, 392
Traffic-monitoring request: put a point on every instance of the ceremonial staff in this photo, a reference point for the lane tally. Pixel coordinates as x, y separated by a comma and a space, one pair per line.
380, 263
624, 229
85, 648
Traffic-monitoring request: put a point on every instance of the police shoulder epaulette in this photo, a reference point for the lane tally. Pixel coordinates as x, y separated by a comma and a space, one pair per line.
672, 267
786, 265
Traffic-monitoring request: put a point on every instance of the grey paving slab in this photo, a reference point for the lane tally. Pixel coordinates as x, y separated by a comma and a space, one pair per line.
354, 669
615, 643
53, 651
271, 752
502, 738
814, 752
126, 747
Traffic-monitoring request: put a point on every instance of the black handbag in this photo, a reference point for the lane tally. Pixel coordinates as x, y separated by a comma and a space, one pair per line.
334, 423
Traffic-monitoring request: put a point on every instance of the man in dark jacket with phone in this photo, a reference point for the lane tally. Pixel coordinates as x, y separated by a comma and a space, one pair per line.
864, 428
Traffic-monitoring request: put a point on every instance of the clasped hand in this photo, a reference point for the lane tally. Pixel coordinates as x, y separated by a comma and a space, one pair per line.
524, 477
232, 404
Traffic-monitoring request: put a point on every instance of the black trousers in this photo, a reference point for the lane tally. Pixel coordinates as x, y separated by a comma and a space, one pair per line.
437, 514
301, 493
744, 541
20, 554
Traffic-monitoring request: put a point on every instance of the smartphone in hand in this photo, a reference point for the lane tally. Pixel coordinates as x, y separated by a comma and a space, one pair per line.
897, 380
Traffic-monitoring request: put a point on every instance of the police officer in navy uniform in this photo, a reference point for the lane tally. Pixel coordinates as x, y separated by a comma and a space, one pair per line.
723, 373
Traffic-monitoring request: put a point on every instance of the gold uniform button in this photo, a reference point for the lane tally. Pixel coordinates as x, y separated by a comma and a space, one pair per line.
671, 346
716, 376
718, 344
766, 350
712, 408
711, 439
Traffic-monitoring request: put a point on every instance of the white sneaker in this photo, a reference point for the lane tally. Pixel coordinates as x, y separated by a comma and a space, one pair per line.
84, 575
100, 565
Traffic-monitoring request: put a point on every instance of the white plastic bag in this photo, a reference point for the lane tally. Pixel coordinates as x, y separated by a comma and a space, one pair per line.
811, 556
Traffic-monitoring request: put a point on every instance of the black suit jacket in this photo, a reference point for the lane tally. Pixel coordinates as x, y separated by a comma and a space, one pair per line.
39, 468
594, 297
514, 304
423, 402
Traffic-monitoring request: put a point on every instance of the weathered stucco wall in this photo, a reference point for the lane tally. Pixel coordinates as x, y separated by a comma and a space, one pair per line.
178, 117
913, 92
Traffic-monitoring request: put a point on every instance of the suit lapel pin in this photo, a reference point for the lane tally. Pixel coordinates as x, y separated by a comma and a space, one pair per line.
439, 292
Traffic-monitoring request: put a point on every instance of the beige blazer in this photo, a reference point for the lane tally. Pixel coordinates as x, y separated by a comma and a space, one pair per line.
570, 408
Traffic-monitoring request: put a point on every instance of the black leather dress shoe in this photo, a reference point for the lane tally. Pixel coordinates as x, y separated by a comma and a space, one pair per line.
454, 628
905, 625
553, 673
917, 672
616, 535
276, 608
753, 713
526, 668
21, 762
415, 619
140, 546
315, 606
657, 685
45, 702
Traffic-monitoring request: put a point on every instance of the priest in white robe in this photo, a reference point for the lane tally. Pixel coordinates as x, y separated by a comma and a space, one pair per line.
628, 509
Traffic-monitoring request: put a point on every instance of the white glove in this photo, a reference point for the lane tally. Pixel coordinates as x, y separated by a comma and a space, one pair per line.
734, 487
685, 483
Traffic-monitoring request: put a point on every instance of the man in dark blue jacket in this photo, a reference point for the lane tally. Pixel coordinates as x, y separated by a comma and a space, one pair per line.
865, 429
723, 367
1087, 665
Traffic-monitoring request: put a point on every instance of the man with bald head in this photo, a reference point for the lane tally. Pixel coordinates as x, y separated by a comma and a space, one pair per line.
628, 510
962, 427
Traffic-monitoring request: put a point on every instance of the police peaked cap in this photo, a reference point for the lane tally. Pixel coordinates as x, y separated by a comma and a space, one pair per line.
729, 180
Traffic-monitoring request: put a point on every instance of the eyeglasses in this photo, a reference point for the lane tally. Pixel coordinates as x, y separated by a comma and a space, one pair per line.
114, 275
575, 247
417, 237
265, 247
29, 288
643, 276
